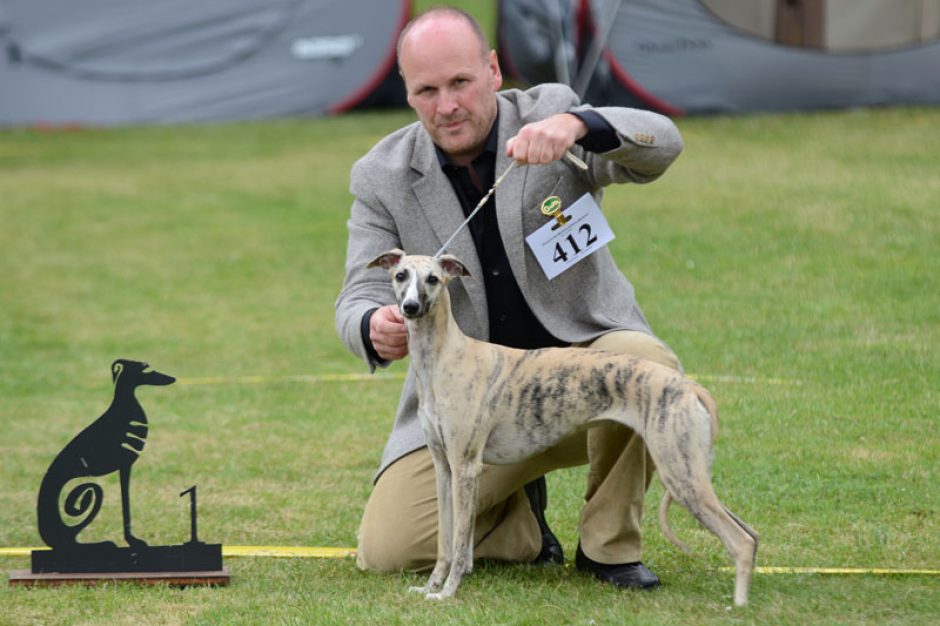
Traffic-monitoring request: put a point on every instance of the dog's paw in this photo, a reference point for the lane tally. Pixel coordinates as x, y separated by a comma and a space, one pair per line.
436, 596
422, 590
135, 543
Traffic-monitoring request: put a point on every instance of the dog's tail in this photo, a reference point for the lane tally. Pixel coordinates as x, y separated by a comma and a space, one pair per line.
710, 406
84, 500
664, 523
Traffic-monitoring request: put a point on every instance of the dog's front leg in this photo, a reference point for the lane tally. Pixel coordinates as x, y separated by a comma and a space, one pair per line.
465, 481
131, 540
444, 523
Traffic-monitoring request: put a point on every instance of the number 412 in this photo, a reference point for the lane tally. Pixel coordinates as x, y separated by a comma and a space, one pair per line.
589, 239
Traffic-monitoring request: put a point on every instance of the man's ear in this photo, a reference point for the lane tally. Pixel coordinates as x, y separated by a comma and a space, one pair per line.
387, 260
452, 266
496, 72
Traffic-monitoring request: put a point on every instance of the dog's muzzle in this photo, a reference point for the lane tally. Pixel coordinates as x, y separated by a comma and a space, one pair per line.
411, 309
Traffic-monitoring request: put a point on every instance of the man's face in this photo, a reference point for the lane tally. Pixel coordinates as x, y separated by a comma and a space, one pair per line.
451, 84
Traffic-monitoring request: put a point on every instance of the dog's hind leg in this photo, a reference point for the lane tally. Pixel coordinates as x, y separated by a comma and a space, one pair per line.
682, 455
696, 494
744, 563
465, 482
739, 542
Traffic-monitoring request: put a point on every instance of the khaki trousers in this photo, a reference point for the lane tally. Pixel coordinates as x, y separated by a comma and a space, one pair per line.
399, 526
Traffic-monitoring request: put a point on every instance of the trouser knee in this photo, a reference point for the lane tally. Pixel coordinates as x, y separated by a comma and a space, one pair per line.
638, 344
392, 552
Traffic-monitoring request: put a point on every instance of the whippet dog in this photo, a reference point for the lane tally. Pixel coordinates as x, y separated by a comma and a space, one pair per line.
483, 403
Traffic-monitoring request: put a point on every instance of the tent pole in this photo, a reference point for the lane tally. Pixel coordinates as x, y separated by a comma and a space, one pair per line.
597, 47
561, 62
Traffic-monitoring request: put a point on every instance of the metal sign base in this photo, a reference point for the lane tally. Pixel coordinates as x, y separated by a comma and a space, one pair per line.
25, 578
109, 558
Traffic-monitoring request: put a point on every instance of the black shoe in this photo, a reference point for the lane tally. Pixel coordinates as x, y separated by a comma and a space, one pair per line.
551, 548
625, 575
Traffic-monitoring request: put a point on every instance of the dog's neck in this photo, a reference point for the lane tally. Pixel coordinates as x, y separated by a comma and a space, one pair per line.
124, 393
432, 333
125, 404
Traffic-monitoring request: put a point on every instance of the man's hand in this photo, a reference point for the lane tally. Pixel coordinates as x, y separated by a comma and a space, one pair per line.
546, 140
388, 333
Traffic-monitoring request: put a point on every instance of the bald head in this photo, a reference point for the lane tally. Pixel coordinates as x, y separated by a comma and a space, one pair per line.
443, 18
451, 79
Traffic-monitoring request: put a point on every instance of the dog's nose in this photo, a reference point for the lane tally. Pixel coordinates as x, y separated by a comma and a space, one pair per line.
410, 307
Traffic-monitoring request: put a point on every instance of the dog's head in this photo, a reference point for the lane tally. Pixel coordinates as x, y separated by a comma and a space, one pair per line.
418, 280
135, 373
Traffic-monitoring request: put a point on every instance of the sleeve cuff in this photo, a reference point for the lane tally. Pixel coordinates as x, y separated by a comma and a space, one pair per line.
374, 358
601, 136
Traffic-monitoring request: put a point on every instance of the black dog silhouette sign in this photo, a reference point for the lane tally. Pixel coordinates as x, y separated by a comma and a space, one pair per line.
112, 443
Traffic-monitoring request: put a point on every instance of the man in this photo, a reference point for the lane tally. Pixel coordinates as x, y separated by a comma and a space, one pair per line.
412, 191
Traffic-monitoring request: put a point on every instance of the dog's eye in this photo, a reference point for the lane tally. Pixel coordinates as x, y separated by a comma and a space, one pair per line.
401, 276
433, 280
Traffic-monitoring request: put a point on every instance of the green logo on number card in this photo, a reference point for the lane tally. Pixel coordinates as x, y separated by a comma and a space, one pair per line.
551, 205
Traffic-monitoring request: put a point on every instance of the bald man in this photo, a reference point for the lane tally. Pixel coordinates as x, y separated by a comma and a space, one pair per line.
412, 191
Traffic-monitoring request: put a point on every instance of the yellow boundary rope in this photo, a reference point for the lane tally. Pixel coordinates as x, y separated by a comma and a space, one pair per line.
841, 571
289, 552
302, 552
297, 378
326, 378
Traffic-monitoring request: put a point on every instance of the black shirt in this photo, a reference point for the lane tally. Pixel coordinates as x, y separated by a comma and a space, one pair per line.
512, 322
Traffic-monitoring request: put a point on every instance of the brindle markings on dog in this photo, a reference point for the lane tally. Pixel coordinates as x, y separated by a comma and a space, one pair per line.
479, 402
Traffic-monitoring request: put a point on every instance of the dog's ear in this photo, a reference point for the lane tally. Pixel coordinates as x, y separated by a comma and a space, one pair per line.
387, 259
117, 368
452, 266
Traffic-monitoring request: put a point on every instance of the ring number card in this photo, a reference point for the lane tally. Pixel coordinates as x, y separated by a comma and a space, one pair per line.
575, 234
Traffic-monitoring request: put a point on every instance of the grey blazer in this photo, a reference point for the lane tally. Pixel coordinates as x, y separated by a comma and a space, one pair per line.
404, 200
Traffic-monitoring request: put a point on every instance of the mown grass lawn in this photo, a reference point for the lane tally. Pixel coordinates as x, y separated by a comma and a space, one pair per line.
790, 260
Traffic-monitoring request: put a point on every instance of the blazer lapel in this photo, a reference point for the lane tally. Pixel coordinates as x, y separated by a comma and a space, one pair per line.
438, 202
509, 194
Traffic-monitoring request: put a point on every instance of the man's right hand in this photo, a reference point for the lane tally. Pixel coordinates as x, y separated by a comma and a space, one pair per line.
388, 333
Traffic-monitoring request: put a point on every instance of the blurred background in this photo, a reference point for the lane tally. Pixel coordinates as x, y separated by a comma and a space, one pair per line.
120, 62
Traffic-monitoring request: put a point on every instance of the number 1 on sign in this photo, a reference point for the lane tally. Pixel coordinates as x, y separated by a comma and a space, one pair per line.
194, 538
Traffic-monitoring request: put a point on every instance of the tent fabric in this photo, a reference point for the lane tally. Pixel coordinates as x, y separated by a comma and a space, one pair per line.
536, 36
108, 62
841, 25
679, 57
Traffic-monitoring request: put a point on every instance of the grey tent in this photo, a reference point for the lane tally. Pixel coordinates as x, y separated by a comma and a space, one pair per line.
108, 62
706, 56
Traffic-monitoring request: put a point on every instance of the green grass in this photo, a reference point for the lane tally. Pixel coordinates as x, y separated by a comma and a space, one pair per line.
790, 260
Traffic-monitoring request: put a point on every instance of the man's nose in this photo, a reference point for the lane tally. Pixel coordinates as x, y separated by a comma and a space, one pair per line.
446, 102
